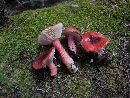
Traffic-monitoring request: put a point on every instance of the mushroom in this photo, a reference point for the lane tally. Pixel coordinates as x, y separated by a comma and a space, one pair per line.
94, 42
51, 35
46, 59
73, 35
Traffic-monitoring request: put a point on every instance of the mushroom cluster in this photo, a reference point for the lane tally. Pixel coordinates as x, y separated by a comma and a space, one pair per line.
91, 42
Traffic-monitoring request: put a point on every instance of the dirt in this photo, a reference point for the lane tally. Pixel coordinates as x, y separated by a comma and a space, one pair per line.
15, 7
109, 78
100, 73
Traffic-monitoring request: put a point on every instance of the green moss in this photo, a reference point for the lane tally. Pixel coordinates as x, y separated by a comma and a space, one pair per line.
111, 83
80, 87
22, 35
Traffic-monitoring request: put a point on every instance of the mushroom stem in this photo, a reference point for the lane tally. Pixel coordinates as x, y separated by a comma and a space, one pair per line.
102, 54
66, 59
53, 69
71, 44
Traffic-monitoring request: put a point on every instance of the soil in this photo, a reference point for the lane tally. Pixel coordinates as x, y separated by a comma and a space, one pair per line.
109, 78
14, 7
99, 73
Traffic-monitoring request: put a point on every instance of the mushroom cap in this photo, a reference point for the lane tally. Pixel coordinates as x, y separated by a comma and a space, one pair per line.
49, 34
43, 59
73, 32
93, 41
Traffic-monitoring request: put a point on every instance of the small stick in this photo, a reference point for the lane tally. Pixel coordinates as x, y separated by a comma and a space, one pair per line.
79, 71
19, 3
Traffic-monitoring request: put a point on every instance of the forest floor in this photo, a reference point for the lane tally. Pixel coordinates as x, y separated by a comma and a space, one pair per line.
102, 79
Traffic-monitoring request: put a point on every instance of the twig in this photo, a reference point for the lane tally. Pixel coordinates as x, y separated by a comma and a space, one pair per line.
19, 3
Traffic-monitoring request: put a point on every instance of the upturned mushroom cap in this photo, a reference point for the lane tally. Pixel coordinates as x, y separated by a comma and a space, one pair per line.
93, 41
43, 59
73, 32
49, 34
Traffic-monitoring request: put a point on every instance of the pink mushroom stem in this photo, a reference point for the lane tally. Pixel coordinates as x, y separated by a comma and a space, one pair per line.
66, 59
71, 44
53, 69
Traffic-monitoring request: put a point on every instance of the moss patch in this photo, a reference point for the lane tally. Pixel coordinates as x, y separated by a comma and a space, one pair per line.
20, 38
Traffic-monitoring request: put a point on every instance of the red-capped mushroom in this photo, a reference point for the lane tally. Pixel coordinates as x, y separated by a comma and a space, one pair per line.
46, 59
51, 35
73, 35
37, 63
94, 41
